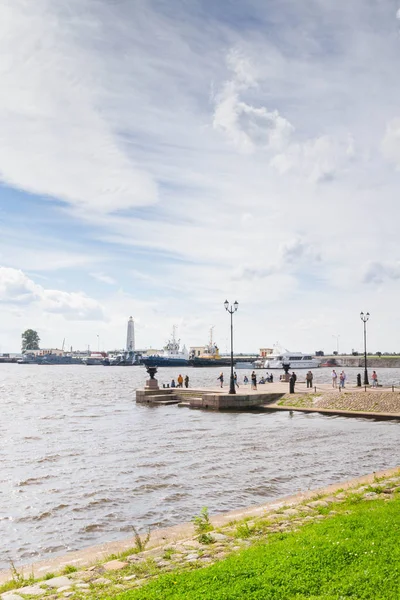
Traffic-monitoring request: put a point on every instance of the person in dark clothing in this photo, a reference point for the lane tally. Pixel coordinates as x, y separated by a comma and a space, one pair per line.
254, 380
235, 379
309, 378
186, 381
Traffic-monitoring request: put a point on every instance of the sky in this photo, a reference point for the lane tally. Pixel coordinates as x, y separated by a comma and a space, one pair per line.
160, 156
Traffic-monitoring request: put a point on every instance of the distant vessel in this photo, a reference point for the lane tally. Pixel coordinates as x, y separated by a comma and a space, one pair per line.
55, 359
297, 360
123, 359
244, 365
171, 355
27, 359
330, 362
210, 357
94, 359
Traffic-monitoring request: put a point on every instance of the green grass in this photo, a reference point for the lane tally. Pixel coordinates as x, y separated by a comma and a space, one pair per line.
303, 401
69, 569
355, 554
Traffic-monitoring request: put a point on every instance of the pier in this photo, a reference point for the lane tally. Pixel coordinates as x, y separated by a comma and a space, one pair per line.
380, 402
212, 398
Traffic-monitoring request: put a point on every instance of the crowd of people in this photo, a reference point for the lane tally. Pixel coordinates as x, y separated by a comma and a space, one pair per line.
180, 381
269, 378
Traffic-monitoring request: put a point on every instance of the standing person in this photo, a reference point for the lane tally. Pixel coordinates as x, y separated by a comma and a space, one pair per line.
221, 379
235, 379
180, 380
374, 379
253, 380
342, 379
334, 378
292, 381
309, 378
186, 381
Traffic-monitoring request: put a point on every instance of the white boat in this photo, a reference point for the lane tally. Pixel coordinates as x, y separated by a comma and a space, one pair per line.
296, 360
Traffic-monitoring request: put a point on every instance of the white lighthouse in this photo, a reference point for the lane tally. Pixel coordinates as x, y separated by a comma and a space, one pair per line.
130, 337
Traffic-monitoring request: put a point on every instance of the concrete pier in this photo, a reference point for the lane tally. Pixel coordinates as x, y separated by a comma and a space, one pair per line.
213, 398
370, 402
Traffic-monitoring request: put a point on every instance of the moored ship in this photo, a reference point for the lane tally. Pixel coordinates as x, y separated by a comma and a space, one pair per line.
170, 356
297, 360
210, 356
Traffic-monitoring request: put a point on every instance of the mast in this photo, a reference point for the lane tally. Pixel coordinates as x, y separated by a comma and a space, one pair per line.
211, 335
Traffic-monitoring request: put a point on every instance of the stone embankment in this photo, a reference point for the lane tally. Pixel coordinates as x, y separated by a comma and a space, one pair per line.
228, 534
374, 362
377, 401
274, 396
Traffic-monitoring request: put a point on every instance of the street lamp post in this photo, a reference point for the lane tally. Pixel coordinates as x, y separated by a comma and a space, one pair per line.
231, 309
337, 342
364, 319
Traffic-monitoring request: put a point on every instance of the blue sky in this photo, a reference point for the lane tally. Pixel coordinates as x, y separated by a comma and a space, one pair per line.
157, 157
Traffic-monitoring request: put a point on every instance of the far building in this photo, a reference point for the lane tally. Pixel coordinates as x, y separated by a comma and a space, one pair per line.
264, 352
130, 337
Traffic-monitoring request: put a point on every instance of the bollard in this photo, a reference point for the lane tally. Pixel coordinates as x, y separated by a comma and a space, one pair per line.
315, 389
359, 380
365, 388
392, 388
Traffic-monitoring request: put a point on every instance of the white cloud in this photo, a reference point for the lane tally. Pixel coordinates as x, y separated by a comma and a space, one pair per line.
246, 126
377, 272
103, 278
107, 105
252, 128
319, 159
398, 14
16, 287
294, 254
391, 142
54, 140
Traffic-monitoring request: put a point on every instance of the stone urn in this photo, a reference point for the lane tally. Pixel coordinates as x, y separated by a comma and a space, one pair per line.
152, 383
286, 376
151, 371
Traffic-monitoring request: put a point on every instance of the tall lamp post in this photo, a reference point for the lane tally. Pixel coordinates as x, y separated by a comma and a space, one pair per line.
337, 342
231, 309
364, 319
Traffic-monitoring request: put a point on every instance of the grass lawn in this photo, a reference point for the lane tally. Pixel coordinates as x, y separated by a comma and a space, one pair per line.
353, 554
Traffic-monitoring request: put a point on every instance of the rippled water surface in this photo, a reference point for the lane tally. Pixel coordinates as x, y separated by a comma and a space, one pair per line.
81, 462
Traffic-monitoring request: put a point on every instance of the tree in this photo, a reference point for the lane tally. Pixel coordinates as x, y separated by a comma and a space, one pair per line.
30, 340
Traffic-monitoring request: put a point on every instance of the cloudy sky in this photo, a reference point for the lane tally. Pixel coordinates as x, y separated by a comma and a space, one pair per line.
159, 156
